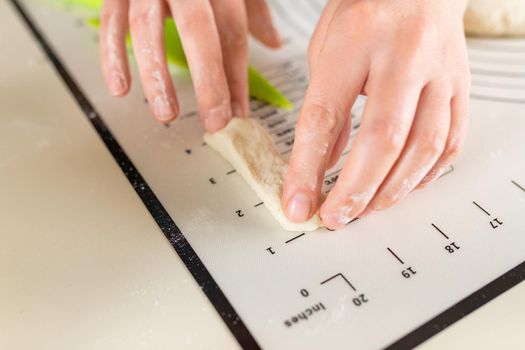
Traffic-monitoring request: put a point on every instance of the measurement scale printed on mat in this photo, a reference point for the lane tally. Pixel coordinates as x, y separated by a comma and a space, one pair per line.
394, 278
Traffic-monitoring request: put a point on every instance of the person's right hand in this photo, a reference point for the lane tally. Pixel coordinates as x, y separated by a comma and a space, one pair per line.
410, 58
214, 36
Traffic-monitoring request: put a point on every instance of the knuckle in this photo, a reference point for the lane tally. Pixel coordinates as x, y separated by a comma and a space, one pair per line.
138, 18
431, 143
235, 38
389, 135
416, 48
194, 19
302, 174
358, 14
321, 116
422, 27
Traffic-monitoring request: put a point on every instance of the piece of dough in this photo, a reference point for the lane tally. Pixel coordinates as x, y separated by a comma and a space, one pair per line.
495, 18
251, 151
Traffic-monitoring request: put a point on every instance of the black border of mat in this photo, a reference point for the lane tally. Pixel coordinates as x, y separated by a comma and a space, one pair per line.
195, 265
148, 197
464, 307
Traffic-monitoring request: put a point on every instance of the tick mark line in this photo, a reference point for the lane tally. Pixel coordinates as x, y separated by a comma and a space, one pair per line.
231, 172
481, 208
354, 219
291, 239
437, 228
333, 173
343, 277
395, 256
260, 203
518, 185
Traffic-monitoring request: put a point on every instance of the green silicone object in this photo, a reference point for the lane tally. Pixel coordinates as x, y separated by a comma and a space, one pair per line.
259, 87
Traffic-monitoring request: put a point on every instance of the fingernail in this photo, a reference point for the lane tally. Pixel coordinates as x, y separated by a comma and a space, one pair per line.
335, 221
299, 207
119, 85
217, 117
163, 108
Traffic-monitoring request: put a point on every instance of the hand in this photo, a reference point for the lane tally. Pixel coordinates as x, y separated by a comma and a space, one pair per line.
214, 37
410, 59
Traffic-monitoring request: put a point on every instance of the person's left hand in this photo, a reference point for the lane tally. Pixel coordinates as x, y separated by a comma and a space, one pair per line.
214, 34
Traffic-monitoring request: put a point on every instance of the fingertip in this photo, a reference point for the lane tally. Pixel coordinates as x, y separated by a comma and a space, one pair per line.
432, 176
421, 186
164, 109
261, 25
366, 212
273, 39
269, 37
335, 221
118, 86
167, 120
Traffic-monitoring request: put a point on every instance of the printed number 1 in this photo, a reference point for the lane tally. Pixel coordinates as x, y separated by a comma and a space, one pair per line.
452, 247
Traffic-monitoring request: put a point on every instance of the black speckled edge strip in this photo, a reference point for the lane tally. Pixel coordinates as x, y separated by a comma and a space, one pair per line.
150, 200
477, 299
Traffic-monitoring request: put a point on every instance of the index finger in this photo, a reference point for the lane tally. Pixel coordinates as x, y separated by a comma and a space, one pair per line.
200, 39
333, 90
